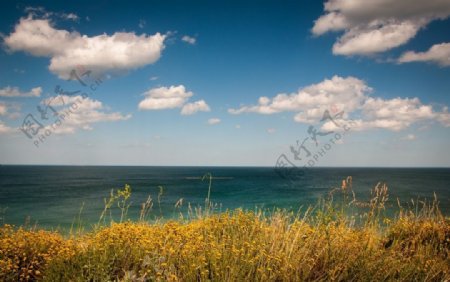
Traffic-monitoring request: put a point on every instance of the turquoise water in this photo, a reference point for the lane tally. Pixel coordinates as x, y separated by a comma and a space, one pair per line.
52, 196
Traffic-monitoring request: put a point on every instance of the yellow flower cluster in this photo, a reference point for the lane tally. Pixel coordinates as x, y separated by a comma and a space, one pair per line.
25, 254
235, 246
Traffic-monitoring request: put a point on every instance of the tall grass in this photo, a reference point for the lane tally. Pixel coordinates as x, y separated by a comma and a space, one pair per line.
339, 239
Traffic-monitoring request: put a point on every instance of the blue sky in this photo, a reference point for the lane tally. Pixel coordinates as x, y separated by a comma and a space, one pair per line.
226, 82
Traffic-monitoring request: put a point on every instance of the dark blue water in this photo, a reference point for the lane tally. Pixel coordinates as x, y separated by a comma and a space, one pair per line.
52, 196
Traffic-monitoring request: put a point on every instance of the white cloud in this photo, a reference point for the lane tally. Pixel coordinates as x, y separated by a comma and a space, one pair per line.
213, 121
172, 97
15, 92
87, 112
192, 108
310, 102
392, 114
350, 96
271, 130
370, 40
438, 53
409, 137
70, 16
188, 39
165, 98
4, 129
43, 13
378, 25
237, 126
3, 109
444, 117
403, 110
121, 51
11, 111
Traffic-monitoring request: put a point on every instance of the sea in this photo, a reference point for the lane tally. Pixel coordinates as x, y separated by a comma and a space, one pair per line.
57, 197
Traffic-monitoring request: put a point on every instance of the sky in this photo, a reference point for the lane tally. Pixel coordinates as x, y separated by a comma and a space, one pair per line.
225, 83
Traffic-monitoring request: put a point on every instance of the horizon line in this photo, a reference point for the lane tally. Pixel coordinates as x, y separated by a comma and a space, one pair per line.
218, 166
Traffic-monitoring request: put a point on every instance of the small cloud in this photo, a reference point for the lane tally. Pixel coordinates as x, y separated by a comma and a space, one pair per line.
15, 92
11, 111
409, 137
69, 16
192, 108
142, 23
37, 12
213, 121
153, 78
172, 97
19, 71
237, 126
4, 129
165, 98
188, 39
271, 130
3, 109
43, 13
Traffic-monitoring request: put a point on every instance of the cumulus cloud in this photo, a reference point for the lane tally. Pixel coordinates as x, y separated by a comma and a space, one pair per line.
192, 108
121, 51
310, 102
80, 113
401, 111
172, 97
15, 92
348, 101
213, 121
188, 39
438, 54
379, 25
165, 98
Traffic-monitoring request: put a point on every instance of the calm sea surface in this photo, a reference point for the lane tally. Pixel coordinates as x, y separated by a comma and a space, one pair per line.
52, 196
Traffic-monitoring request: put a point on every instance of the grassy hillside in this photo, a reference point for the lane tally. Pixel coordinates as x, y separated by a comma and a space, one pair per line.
322, 243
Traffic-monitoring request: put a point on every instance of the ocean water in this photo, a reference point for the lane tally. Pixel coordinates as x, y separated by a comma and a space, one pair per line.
52, 196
